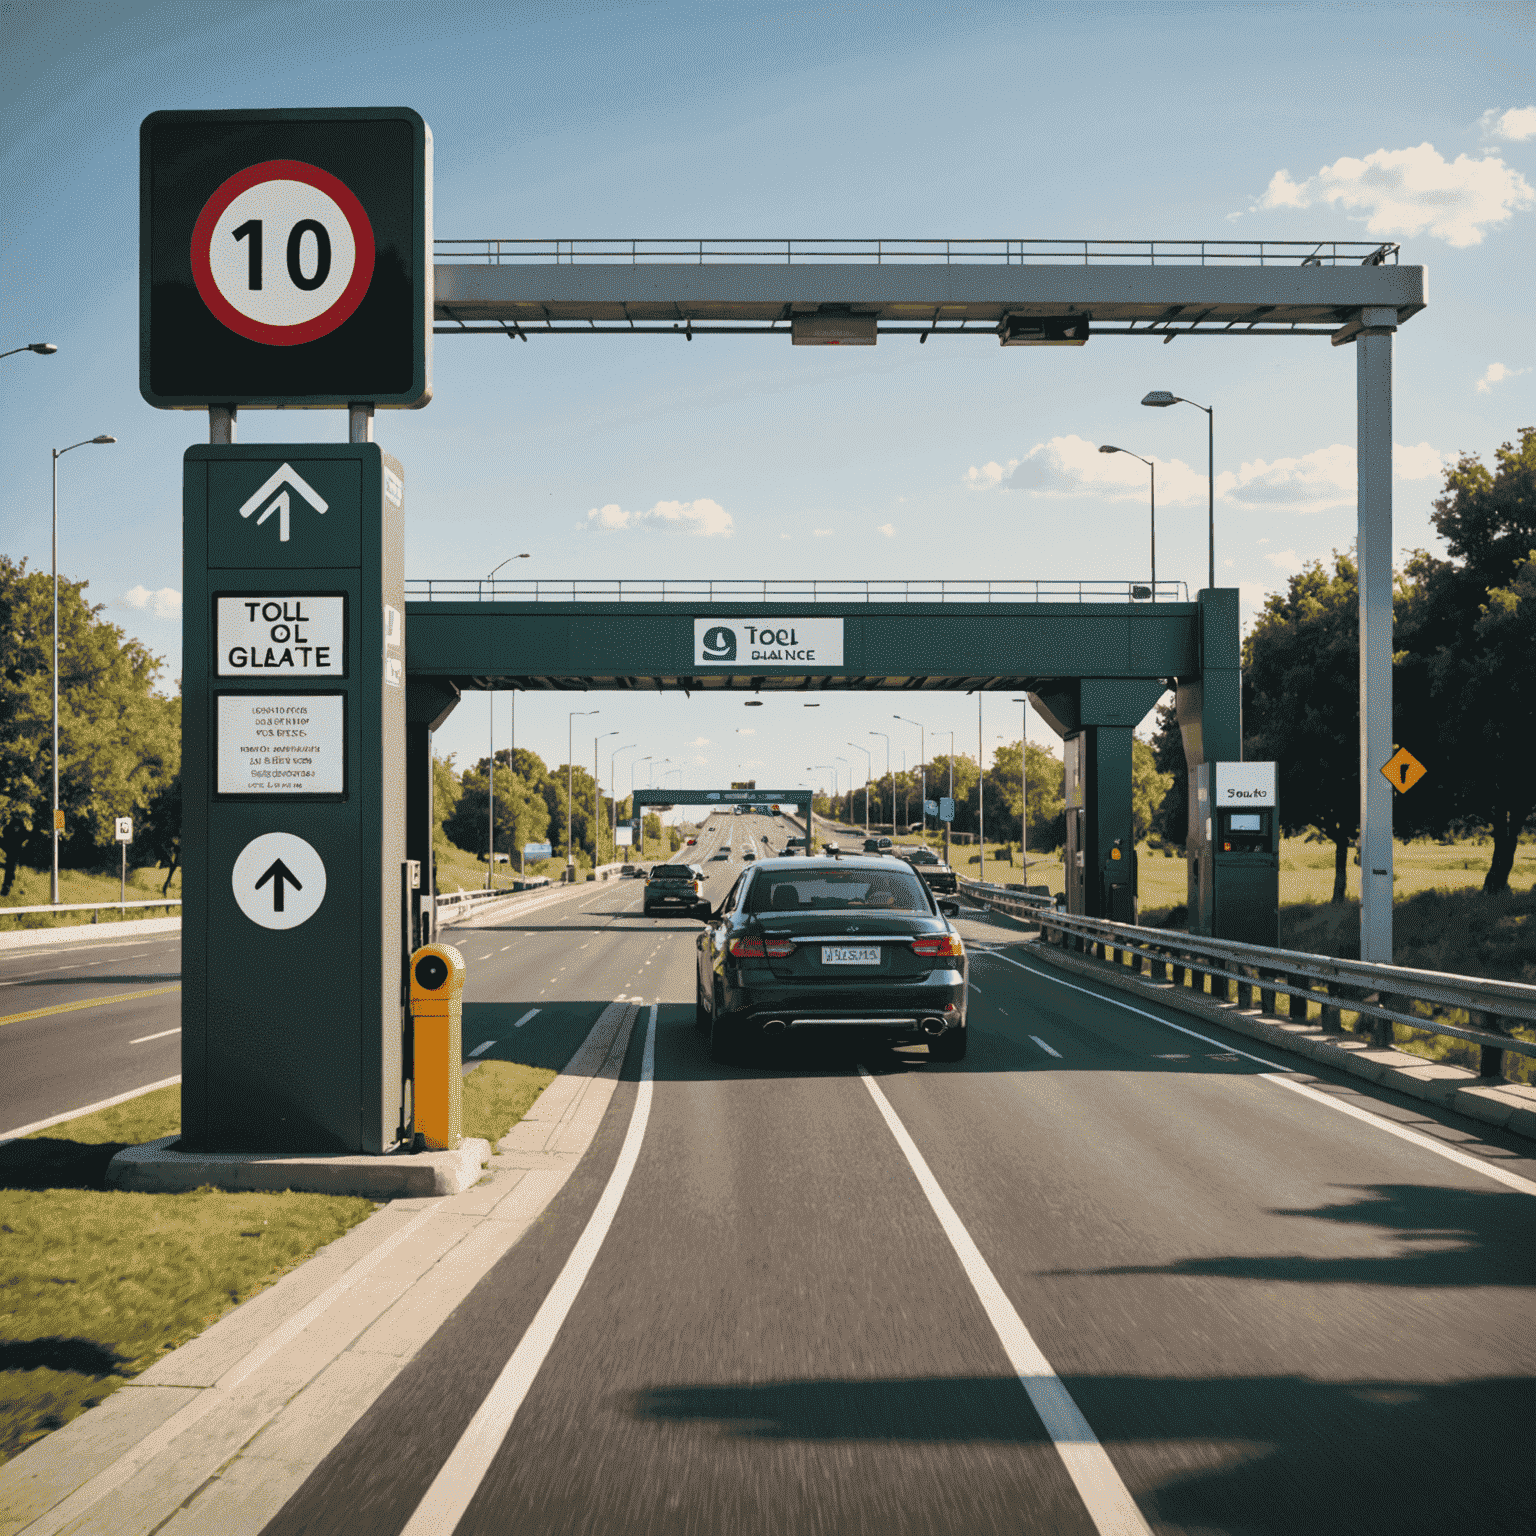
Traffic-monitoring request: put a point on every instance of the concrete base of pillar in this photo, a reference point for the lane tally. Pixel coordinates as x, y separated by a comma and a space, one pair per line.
157, 1168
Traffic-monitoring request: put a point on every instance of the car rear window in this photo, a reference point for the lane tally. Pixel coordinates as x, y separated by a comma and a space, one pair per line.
671, 872
895, 890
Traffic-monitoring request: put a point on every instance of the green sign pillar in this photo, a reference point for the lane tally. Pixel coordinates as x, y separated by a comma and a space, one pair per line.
294, 752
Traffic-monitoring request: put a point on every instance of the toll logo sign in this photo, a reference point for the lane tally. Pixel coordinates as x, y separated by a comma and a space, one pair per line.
282, 253
718, 644
768, 644
282, 634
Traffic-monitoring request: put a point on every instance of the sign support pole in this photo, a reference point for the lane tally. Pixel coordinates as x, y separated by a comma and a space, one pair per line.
1373, 385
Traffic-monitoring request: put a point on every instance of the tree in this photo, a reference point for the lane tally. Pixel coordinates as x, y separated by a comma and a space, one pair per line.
1047, 786
1149, 787
119, 739
159, 840
522, 814
1170, 821
1301, 703
1464, 697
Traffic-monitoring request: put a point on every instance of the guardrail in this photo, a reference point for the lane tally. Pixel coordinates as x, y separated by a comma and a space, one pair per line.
452, 905
1386, 995
503, 251
89, 906
434, 589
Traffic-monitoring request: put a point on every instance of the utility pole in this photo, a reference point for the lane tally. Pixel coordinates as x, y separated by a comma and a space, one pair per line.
981, 796
1024, 786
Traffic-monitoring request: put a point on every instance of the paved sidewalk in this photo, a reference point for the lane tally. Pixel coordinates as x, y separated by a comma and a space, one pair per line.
217, 1436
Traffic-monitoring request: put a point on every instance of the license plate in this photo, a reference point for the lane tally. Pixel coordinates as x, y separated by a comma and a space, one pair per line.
846, 954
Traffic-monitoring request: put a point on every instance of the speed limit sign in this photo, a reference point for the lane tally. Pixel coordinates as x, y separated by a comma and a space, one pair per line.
282, 253
285, 258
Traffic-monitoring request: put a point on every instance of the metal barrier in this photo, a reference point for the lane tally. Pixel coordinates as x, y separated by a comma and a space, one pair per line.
89, 906
705, 590
451, 906
498, 251
1387, 995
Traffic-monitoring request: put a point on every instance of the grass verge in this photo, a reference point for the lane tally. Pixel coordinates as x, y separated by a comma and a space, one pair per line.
81, 885
96, 1284
497, 1095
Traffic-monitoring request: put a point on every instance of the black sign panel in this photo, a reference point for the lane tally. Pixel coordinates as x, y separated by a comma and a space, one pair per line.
285, 258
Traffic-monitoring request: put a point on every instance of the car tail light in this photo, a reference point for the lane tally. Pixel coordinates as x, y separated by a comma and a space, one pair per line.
759, 949
940, 944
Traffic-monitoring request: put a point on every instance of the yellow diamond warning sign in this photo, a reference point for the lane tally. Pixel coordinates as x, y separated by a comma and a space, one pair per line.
1403, 770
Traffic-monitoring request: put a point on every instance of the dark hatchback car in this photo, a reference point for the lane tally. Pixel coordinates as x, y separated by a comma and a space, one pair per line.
938, 875
859, 944
675, 889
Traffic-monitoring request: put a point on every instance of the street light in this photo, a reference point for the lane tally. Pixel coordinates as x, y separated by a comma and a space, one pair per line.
891, 776
58, 453
42, 348
597, 794
922, 738
570, 787
507, 561
869, 773
1162, 397
1151, 464
1024, 786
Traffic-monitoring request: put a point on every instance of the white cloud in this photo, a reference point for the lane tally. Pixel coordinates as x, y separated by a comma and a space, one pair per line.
746, 731
1286, 559
699, 741
165, 603
1072, 466
1408, 191
888, 529
1517, 125
1496, 374
1317, 481
821, 533
705, 518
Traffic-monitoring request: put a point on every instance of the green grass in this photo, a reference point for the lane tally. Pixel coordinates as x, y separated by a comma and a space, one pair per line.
497, 1095
31, 890
96, 1284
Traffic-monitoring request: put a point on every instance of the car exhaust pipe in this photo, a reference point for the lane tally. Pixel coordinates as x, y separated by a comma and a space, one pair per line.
775, 1027
933, 1026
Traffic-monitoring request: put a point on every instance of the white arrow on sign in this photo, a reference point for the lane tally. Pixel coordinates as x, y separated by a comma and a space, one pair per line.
285, 474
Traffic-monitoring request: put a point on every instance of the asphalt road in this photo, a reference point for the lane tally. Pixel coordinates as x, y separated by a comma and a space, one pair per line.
809, 1312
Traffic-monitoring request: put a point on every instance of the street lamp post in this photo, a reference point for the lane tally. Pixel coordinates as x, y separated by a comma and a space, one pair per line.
938, 730
1152, 465
890, 774
1024, 786
42, 348
1162, 397
847, 779
597, 796
58, 453
613, 797
570, 787
869, 772
922, 737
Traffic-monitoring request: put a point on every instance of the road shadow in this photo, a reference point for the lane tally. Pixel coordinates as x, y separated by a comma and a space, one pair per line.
1265, 1456
54, 1162
102, 978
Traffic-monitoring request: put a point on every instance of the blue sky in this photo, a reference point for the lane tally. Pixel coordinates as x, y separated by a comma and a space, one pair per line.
1408, 122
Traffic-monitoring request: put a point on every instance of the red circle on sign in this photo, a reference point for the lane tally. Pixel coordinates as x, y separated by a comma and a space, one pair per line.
351, 296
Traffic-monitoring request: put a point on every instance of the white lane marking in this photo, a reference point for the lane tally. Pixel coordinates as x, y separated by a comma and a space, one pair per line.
1044, 1047
1276, 1076
482, 1048
504, 948
145, 1039
461, 1475
526, 1017
1109, 1502
85, 1109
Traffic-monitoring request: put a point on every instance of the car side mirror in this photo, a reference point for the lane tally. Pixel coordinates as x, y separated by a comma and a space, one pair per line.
950, 908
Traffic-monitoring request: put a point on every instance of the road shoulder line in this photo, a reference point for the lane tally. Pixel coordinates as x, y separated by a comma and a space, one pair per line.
293, 1368
1510, 1106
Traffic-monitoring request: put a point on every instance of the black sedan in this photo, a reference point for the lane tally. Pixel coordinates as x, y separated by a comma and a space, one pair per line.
859, 944
675, 889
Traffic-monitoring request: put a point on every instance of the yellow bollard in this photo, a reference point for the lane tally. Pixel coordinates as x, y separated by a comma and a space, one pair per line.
437, 1014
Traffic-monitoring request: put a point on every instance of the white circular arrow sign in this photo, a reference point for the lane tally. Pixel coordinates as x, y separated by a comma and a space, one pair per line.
279, 880
282, 253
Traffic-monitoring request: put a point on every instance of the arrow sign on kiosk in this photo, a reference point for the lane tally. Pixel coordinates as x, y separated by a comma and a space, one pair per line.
278, 880
285, 474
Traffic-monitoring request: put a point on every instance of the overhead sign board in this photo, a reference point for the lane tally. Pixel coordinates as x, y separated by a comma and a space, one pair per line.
281, 635
285, 258
745, 645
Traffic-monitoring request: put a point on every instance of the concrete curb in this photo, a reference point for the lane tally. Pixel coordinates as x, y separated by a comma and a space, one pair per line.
155, 1168
1510, 1106
134, 927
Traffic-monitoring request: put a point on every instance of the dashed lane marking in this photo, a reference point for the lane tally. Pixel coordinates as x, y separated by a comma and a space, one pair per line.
85, 1109
482, 1048
525, 1018
1278, 1075
145, 1039
1049, 1051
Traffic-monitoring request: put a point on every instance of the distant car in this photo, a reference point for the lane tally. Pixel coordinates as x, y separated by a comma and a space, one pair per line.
692, 841
937, 876
749, 858
920, 855
676, 889
877, 845
794, 842
629, 871
719, 855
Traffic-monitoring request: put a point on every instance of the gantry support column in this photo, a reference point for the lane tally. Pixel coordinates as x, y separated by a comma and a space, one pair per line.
1373, 393
428, 703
